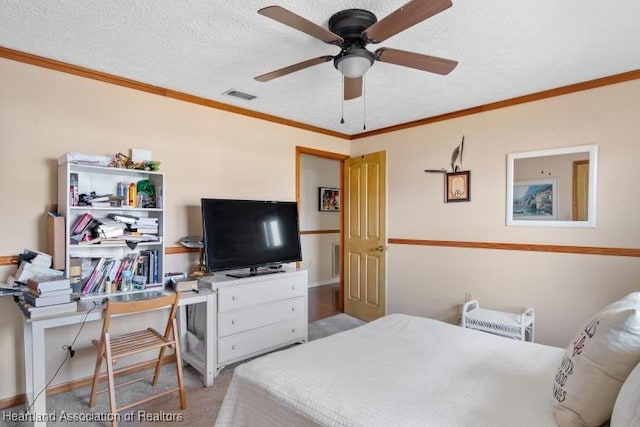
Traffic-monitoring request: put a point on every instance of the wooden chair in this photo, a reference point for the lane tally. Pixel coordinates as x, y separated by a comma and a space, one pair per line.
112, 348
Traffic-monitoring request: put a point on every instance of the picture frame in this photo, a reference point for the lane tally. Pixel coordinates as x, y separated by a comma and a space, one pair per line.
535, 199
328, 199
458, 186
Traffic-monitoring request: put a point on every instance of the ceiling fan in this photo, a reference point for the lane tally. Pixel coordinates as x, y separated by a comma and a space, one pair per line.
352, 30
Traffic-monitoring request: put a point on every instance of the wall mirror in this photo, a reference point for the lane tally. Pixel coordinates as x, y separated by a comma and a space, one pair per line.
555, 187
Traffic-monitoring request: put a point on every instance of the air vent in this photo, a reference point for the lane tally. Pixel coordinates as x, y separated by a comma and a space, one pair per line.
238, 94
335, 260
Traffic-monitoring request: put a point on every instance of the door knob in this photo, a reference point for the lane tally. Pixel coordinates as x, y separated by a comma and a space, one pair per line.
378, 248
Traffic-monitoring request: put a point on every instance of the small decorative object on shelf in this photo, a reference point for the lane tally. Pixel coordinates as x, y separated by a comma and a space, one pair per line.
126, 281
458, 181
122, 161
512, 325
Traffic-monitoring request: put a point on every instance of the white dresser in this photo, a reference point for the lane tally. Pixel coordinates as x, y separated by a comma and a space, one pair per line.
257, 314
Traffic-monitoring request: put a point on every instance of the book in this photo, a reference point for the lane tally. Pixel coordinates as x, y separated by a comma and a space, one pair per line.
147, 230
28, 270
188, 283
90, 241
36, 257
106, 204
174, 275
126, 219
43, 301
88, 284
107, 233
156, 267
116, 278
147, 221
10, 290
65, 291
138, 237
48, 283
101, 278
113, 272
36, 312
109, 222
81, 223
100, 198
112, 241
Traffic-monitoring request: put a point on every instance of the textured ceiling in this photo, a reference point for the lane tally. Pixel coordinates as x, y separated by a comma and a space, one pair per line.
204, 48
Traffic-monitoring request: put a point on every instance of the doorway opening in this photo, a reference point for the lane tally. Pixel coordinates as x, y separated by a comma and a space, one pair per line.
319, 178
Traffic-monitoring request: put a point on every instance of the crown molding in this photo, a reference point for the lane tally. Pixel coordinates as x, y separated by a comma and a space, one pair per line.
52, 64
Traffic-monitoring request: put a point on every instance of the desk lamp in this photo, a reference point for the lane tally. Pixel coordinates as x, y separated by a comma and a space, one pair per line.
195, 242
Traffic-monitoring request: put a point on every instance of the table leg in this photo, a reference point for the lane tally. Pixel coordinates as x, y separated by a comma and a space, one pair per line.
35, 372
182, 328
210, 340
28, 363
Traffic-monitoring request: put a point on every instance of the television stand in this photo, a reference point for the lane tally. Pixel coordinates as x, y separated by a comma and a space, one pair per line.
255, 271
256, 315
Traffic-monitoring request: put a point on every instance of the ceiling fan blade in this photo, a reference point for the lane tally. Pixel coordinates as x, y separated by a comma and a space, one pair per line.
291, 68
352, 88
432, 64
299, 23
407, 16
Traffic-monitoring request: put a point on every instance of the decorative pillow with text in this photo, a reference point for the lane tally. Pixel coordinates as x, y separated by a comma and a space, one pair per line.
596, 363
626, 411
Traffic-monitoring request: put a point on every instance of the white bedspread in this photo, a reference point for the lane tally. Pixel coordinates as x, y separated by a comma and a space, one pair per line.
397, 371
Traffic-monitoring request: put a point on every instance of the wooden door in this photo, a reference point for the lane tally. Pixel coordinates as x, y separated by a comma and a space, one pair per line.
580, 190
365, 236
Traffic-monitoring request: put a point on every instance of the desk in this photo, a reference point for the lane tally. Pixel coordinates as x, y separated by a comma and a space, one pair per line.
34, 345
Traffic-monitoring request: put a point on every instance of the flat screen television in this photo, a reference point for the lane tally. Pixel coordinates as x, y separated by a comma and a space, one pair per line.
239, 234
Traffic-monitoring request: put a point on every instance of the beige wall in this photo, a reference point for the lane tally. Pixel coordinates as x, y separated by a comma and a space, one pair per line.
564, 289
204, 153
317, 252
211, 153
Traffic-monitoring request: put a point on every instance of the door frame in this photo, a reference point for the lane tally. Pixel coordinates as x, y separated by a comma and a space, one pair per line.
341, 158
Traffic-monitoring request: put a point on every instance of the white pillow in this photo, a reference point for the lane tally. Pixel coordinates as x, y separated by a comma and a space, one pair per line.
596, 363
626, 411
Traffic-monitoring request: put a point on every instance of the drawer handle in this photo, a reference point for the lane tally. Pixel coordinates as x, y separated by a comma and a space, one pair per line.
233, 347
293, 330
233, 321
293, 309
293, 287
234, 298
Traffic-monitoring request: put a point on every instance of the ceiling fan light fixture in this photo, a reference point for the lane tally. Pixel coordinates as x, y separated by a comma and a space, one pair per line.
354, 62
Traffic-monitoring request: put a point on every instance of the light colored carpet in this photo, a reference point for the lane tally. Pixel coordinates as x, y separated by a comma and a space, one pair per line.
203, 403
332, 325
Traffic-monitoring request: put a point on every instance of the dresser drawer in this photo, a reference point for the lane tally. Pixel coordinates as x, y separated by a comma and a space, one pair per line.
261, 340
281, 287
232, 322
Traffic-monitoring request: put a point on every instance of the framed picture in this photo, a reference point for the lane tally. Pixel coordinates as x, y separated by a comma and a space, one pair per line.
458, 187
535, 199
329, 199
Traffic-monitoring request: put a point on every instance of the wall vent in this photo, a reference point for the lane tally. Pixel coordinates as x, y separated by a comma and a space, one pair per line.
335, 259
238, 94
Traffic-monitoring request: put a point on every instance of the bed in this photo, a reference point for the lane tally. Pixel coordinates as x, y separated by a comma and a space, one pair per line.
398, 370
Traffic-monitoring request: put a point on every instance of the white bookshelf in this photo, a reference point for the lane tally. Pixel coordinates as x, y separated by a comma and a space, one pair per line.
104, 180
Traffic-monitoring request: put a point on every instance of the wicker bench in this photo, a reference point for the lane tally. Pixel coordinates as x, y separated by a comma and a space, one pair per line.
511, 325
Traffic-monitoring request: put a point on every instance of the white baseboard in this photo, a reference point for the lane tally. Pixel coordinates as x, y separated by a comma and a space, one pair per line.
324, 282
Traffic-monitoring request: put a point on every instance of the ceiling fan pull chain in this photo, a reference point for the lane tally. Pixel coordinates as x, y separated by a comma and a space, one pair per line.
364, 104
342, 100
